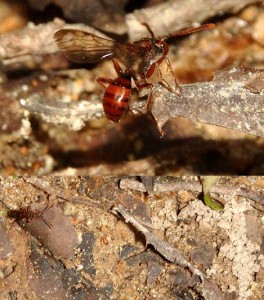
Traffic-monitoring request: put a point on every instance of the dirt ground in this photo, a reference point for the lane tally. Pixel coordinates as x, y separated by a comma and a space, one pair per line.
80, 249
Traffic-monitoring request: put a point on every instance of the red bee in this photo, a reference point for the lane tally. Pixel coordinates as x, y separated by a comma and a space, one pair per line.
140, 58
117, 93
27, 214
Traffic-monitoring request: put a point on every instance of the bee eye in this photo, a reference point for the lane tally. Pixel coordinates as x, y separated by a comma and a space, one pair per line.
159, 44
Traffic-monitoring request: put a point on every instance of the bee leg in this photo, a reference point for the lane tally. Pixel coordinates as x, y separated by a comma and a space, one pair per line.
103, 80
177, 89
117, 67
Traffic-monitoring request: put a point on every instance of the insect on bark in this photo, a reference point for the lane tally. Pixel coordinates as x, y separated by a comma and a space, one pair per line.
140, 58
27, 215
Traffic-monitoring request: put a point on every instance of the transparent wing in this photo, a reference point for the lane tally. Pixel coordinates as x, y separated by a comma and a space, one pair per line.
83, 47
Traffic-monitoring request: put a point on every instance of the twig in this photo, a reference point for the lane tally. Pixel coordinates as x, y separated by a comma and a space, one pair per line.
28, 48
226, 101
36, 39
170, 253
133, 184
107, 16
210, 290
178, 14
74, 114
45, 186
177, 185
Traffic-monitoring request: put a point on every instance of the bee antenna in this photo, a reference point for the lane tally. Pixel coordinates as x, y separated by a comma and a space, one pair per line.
164, 38
149, 29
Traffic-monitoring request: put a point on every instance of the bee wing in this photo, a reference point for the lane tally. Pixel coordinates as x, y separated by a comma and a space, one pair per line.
83, 47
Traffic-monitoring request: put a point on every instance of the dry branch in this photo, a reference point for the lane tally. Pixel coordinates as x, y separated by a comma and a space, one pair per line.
105, 15
50, 190
209, 290
36, 39
73, 115
161, 186
174, 15
28, 47
29, 40
226, 101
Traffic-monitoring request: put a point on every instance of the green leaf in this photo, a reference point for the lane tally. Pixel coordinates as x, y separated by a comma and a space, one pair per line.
213, 203
207, 183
